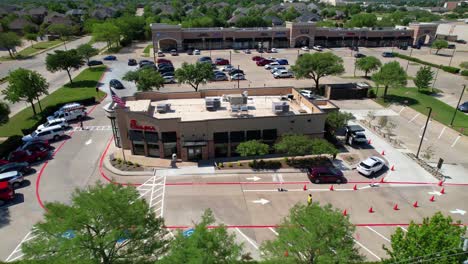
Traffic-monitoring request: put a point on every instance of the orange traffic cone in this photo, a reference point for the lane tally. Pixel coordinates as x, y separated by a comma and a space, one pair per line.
305, 187
331, 188
415, 205
383, 153
440, 183
371, 210
396, 207
442, 191
382, 180
345, 213
286, 253
432, 198
393, 168
369, 141
355, 187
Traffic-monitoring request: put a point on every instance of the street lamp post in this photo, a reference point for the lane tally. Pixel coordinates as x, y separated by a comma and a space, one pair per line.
458, 104
424, 132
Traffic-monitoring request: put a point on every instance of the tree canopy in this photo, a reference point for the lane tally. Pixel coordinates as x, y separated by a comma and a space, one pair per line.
9, 41
424, 77
64, 61
103, 224
87, 51
295, 145
108, 32
313, 234
436, 240
252, 148
317, 65
390, 75
194, 74
336, 120
362, 20
146, 79
439, 44
368, 64
25, 85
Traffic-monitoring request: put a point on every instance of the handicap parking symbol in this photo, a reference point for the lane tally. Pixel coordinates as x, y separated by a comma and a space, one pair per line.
188, 232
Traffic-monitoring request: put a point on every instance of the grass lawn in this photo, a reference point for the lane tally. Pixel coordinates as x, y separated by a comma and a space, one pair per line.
146, 51
441, 111
31, 50
84, 86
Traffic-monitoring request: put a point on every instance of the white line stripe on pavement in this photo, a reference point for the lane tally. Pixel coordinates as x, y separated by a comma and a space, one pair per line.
368, 250
456, 140
441, 132
247, 238
404, 229
401, 110
382, 236
412, 119
273, 230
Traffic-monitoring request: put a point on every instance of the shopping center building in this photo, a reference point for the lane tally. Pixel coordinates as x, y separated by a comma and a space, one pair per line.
211, 123
167, 37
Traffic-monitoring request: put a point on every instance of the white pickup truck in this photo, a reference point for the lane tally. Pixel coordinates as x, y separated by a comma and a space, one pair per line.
69, 114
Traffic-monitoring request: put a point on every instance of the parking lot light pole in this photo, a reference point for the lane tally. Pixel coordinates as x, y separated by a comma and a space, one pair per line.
407, 64
424, 132
458, 104
238, 79
453, 54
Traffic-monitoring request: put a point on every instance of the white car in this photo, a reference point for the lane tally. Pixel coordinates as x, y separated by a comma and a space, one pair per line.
196, 52
269, 66
306, 93
169, 79
54, 122
370, 166
318, 48
282, 74
277, 68
48, 133
237, 76
227, 68
274, 50
305, 48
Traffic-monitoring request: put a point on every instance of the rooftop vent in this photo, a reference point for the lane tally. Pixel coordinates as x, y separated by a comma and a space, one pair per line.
237, 99
280, 107
163, 108
212, 103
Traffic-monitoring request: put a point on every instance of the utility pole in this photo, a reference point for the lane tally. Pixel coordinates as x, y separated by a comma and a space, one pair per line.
407, 63
458, 104
424, 132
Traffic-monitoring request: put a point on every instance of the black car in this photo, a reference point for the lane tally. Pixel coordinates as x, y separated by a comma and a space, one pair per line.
132, 62
205, 59
236, 71
451, 46
22, 167
149, 66
116, 84
174, 52
143, 62
359, 55
166, 69
190, 52
461, 41
463, 107
94, 63
169, 73
164, 64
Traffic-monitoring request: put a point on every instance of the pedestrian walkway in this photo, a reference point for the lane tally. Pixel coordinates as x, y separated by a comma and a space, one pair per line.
92, 128
153, 192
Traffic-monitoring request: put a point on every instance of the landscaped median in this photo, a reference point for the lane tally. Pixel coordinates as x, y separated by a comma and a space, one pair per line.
83, 89
419, 101
449, 69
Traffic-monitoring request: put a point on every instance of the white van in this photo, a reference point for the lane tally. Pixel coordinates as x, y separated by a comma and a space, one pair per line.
55, 122
70, 106
68, 115
48, 133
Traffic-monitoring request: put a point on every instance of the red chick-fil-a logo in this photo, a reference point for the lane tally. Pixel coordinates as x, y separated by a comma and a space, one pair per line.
134, 125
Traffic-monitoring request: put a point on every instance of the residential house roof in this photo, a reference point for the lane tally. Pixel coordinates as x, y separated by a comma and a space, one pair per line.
38, 11
235, 18
19, 23
3, 12
75, 12
275, 21
300, 7
103, 13
312, 6
57, 18
339, 14
308, 17
221, 4
241, 10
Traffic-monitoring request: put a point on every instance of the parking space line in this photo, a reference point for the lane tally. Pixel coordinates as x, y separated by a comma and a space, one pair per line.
412, 119
382, 236
401, 110
274, 232
247, 238
17, 249
404, 229
455, 142
368, 250
441, 132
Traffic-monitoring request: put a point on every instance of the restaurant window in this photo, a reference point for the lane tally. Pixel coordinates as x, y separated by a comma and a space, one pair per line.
221, 140
152, 141
221, 137
137, 139
254, 134
237, 136
270, 134
169, 140
194, 153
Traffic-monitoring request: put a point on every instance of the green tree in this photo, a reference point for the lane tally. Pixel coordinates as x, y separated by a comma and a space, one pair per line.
321, 146
194, 74
108, 32
439, 44
252, 148
424, 77
145, 79
464, 65
368, 64
4, 112
336, 120
102, 224
290, 14
64, 61
62, 30
87, 51
25, 85
390, 75
205, 245
362, 20
9, 41
31, 37
295, 145
436, 240
313, 234
251, 21
317, 65
131, 27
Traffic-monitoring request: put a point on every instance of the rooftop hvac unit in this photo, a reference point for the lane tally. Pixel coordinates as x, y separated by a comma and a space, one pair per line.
163, 108
280, 107
212, 103
237, 99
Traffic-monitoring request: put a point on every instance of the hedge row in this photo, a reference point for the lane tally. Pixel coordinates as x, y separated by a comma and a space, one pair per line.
449, 69
265, 165
464, 72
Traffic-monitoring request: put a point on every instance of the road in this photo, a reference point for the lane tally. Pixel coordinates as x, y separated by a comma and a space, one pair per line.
37, 63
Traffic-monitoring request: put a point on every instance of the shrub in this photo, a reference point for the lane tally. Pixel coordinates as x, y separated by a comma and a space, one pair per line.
229, 165
129, 163
453, 70
239, 164
372, 94
464, 72
449, 69
463, 65
265, 165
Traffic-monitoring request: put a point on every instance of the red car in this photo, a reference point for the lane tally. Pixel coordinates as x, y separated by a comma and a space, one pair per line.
263, 62
325, 175
257, 58
221, 61
28, 156
163, 61
7, 193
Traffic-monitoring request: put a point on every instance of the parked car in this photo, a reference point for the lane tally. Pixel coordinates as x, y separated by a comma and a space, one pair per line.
227, 68
260, 50
370, 165
270, 65
161, 54
190, 52
325, 175
257, 58
69, 114
451, 46
237, 76
28, 156
355, 134
169, 79
149, 66
7, 192
143, 63
196, 52
15, 178
317, 48
54, 122
277, 68
305, 48
22, 167
221, 61
462, 41
34, 144
247, 51
416, 46
274, 50
359, 55
388, 54
174, 52
282, 74
236, 71
282, 61
220, 77
167, 74
263, 62
463, 107
159, 61
110, 58
116, 84
205, 59
132, 62
307, 93
49, 133
94, 63
167, 68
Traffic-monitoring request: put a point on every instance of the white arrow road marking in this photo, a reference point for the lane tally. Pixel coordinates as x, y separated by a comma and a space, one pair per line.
88, 142
254, 178
458, 211
435, 193
261, 201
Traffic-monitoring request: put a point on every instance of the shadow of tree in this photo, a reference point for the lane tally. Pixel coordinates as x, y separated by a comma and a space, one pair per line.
81, 84
391, 98
4, 216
